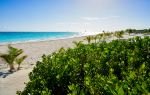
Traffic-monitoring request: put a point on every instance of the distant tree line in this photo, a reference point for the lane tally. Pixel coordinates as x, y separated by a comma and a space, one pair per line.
137, 31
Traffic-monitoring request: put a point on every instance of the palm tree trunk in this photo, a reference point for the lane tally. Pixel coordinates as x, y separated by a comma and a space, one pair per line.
11, 68
89, 41
18, 67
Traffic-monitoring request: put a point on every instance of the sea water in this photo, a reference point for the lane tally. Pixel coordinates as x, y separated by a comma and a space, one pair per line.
16, 37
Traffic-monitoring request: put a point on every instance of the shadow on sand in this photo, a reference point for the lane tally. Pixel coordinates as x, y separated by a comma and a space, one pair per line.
5, 74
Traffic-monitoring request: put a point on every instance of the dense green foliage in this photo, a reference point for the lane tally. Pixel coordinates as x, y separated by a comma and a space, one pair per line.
120, 67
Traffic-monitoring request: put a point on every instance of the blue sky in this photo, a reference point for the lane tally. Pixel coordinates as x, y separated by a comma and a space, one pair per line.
73, 15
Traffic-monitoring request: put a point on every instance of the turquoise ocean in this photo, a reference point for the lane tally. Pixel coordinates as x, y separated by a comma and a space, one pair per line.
16, 37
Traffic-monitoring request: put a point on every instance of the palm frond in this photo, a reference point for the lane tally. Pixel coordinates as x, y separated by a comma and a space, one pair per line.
21, 59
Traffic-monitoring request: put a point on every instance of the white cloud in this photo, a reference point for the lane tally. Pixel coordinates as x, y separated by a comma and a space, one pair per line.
99, 18
90, 18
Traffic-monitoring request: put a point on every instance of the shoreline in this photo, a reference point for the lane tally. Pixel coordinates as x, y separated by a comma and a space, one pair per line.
37, 40
34, 41
34, 50
47, 39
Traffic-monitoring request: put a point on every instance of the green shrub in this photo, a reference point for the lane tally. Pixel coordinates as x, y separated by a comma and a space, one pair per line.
120, 67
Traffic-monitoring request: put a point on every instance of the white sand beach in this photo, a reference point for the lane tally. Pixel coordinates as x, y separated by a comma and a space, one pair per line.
14, 82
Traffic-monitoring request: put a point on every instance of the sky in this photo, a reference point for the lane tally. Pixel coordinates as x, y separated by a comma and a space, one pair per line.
74, 15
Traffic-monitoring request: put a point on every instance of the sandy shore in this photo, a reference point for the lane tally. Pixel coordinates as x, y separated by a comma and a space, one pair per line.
35, 50
14, 82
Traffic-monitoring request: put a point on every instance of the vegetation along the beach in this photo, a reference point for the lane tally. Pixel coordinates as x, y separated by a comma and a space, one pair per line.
119, 67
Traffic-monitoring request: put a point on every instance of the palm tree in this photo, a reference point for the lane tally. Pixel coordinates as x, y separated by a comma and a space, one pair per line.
61, 49
88, 38
129, 31
9, 58
119, 34
95, 37
20, 60
78, 43
104, 36
100, 36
